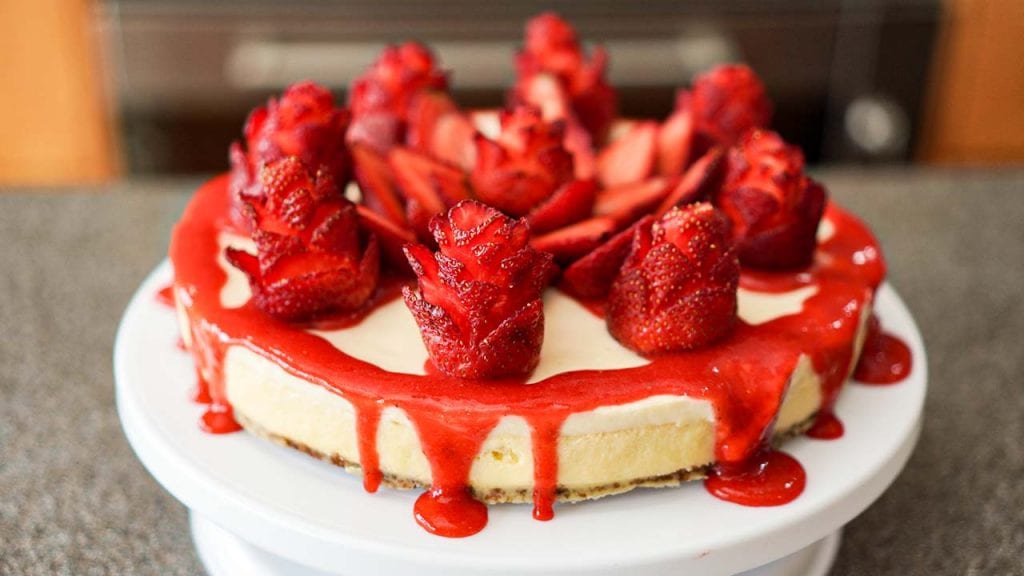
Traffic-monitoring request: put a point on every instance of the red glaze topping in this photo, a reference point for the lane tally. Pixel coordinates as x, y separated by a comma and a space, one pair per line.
303, 123
452, 513
744, 376
774, 207
677, 287
310, 257
885, 359
767, 478
165, 295
478, 305
826, 427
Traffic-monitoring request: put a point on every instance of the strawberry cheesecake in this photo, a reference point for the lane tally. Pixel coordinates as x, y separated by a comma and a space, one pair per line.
536, 304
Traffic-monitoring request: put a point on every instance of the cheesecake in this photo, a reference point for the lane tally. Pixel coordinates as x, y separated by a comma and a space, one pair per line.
534, 305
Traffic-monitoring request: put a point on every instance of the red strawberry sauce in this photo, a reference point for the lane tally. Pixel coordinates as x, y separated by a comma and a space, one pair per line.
744, 376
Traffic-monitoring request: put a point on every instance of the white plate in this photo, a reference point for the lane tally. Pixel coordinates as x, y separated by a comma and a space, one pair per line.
316, 515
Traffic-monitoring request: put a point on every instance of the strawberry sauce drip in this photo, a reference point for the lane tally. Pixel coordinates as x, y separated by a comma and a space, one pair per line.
219, 419
885, 359
767, 478
201, 391
367, 420
451, 445
451, 512
744, 377
165, 296
826, 427
544, 433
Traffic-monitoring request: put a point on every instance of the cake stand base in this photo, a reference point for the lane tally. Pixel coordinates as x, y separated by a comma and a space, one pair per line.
263, 510
224, 554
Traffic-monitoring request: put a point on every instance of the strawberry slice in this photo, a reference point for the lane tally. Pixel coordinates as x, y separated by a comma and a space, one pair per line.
545, 92
390, 236
675, 141
591, 276
627, 202
569, 204
438, 128
478, 302
569, 243
311, 258
630, 158
677, 288
380, 131
701, 180
430, 183
373, 174
578, 142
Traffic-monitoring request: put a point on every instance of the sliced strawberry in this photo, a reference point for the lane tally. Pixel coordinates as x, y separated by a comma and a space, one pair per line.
700, 182
591, 276
675, 141
630, 158
438, 128
376, 182
578, 142
569, 243
390, 236
419, 220
546, 93
432, 184
570, 203
677, 288
380, 131
627, 202
478, 305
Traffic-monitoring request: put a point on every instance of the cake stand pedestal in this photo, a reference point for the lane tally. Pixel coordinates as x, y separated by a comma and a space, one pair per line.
224, 554
263, 510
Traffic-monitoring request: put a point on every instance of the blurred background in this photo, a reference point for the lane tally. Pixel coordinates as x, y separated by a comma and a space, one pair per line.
94, 91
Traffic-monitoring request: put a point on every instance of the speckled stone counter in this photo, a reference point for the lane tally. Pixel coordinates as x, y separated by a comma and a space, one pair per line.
74, 500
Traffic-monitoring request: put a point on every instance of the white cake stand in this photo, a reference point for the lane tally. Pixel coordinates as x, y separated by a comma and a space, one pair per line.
262, 510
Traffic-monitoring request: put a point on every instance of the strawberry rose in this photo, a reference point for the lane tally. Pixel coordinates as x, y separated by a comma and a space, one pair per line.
478, 305
774, 207
311, 257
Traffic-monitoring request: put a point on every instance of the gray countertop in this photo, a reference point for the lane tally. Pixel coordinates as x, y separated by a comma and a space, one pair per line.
74, 500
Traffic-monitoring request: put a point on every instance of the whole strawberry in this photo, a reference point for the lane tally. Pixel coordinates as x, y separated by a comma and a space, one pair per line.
380, 99
727, 102
311, 258
479, 306
677, 288
774, 207
304, 123
552, 48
